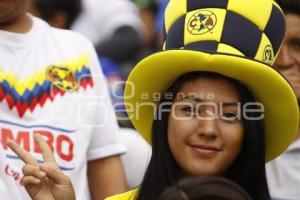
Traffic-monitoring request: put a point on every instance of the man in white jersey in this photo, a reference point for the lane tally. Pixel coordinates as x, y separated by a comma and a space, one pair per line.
51, 84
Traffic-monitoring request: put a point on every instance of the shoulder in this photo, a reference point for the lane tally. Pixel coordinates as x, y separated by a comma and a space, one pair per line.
130, 195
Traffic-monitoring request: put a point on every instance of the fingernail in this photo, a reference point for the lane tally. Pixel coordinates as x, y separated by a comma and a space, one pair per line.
42, 174
10, 142
36, 180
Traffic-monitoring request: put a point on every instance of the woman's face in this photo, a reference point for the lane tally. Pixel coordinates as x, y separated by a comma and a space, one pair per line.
204, 131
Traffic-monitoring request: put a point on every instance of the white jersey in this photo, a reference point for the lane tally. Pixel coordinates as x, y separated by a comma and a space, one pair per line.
283, 174
51, 83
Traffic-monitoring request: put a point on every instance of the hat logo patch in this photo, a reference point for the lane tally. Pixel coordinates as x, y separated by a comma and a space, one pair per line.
268, 55
62, 77
202, 22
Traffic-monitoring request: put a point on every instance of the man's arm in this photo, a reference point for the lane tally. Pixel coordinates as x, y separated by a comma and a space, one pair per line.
106, 177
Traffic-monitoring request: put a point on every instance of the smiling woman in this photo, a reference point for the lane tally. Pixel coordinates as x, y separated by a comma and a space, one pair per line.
184, 145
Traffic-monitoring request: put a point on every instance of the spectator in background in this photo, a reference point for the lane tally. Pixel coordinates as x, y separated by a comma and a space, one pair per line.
147, 12
284, 172
113, 26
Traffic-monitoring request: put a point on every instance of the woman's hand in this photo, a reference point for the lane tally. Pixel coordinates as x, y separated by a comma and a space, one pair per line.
43, 181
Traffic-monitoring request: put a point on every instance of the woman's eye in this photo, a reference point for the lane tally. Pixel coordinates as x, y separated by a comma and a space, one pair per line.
228, 116
189, 109
296, 44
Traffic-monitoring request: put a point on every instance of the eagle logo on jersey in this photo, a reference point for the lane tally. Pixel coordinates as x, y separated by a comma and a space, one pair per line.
62, 77
34, 90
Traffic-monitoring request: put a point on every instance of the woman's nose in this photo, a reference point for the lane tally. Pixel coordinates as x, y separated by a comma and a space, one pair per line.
208, 127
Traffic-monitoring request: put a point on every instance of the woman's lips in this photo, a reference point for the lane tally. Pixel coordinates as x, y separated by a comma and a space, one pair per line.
205, 151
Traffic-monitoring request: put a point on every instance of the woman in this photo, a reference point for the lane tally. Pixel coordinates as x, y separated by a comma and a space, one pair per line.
222, 109
206, 134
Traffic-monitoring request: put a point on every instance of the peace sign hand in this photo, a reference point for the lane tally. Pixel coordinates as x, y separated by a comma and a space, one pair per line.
43, 181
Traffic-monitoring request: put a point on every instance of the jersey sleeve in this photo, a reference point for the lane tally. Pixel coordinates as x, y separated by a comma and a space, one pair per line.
105, 139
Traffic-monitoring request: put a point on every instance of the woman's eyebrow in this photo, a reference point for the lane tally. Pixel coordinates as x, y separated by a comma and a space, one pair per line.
199, 99
295, 39
228, 104
193, 97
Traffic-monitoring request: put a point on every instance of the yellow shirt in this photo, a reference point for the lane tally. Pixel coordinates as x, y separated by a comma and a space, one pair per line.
130, 195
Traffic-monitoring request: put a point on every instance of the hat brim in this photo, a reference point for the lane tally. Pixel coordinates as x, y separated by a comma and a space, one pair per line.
155, 73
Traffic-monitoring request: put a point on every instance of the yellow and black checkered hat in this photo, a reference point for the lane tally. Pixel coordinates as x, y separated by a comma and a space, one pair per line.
236, 38
252, 29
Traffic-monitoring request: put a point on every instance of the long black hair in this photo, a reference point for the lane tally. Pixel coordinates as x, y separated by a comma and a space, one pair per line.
248, 169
